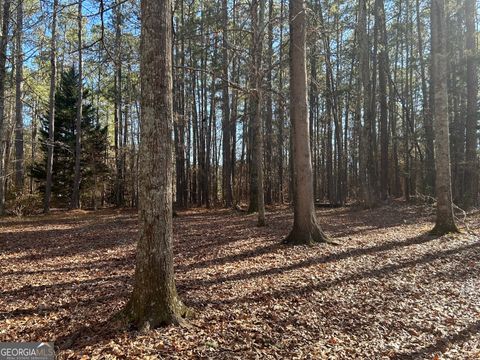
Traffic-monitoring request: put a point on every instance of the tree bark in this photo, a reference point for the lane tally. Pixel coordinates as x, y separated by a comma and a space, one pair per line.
397, 189
269, 110
305, 227
51, 109
445, 222
19, 150
471, 168
154, 301
181, 192
75, 203
226, 121
367, 163
256, 103
118, 118
3, 128
334, 184
383, 73
429, 185
281, 112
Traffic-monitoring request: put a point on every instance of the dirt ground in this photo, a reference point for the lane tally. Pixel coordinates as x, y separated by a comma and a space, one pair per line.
388, 291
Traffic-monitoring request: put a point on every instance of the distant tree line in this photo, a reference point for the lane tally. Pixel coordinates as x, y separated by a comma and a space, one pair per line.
371, 101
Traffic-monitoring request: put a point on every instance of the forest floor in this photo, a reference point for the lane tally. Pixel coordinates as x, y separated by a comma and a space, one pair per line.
388, 291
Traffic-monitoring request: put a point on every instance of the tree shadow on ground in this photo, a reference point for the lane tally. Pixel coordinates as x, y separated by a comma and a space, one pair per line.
50, 289
103, 331
64, 217
382, 272
213, 233
443, 343
114, 263
74, 305
89, 335
41, 243
98, 310
271, 248
202, 234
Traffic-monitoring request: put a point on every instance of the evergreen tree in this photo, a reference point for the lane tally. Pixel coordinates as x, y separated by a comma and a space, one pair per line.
94, 143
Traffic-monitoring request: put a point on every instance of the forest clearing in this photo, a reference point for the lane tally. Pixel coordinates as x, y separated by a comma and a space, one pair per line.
388, 290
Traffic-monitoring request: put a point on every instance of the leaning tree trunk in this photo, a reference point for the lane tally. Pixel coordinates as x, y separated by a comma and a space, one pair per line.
445, 222
51, 109
154, 301
305, 227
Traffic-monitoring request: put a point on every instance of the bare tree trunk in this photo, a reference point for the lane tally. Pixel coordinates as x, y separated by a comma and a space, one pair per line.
194, 189
334, 191
269, 110
397, 191
281, 111
19, 151
118, 118
10, 136
445, 222
51, 109
305, 227
133, 153
257, 12
236, 63
427, 113
226, 121
341, 191
125, 145
367, 163
471, 168
406, 116
208, 136
346, 146
312, 113
154, 301
3, 128
75, 204
383, 73
252, 112
124, 148
258, 126
233, 130
185, 164
33, 144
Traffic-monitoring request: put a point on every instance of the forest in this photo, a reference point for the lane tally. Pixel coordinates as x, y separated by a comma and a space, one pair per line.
240, 179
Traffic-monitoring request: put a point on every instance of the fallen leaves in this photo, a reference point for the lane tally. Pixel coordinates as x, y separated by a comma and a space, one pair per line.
389, 291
